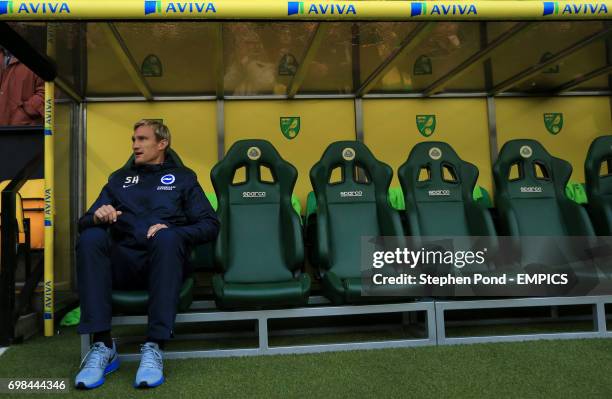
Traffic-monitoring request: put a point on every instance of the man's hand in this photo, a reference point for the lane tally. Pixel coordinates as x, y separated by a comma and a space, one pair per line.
154, 229
106, 214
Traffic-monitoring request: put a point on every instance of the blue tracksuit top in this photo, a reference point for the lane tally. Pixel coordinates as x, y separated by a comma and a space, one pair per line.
149, 194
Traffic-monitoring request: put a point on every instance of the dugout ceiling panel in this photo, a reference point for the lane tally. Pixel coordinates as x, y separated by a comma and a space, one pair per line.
391, 130
331, 70
589, 58
538, 42
446, 46
565, 126
109, 131
377, 41
105, 74
262, 58
238, 58
174, 58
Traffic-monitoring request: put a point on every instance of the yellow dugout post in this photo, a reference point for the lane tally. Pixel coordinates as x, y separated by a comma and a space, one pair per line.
48, 290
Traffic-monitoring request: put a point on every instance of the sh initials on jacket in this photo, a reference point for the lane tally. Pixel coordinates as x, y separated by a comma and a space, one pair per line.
130, 181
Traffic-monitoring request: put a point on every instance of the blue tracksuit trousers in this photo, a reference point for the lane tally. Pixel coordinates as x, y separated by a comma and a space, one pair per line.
104, 265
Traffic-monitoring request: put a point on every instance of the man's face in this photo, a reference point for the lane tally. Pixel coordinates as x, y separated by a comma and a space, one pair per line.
146, 148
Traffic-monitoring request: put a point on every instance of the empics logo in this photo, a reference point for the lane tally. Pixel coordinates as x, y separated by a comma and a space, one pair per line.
297, 7
152, 6
6, 7
571, 8
155, 7
420, 8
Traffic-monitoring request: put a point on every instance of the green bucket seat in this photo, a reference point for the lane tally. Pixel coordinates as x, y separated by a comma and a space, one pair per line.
259, 247
136, 302
354, 206
530, 197
438, 191
530, 193
599, 185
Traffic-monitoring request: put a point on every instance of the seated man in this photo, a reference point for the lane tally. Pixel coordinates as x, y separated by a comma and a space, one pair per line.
137, 235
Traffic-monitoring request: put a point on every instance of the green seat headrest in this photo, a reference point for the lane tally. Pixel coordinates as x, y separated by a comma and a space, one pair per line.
525, 170
352, 158
439, 190
600, 151
434, 172
253, 155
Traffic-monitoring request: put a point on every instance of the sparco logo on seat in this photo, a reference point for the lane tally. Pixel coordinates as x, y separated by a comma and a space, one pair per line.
532, 189
351, 193
438, 192
253, 194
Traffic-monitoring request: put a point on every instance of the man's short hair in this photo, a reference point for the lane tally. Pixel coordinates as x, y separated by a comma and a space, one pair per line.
161, 131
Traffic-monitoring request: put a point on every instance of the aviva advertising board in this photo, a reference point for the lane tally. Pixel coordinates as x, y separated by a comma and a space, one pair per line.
288, 10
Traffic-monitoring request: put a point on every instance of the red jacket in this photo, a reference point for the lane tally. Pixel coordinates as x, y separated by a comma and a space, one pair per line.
22, 94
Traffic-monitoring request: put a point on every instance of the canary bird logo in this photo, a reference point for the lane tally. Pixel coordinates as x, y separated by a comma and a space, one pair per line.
426, 124
290, 126
553, 122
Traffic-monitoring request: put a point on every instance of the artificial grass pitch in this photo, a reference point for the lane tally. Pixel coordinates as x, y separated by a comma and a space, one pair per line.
537, 369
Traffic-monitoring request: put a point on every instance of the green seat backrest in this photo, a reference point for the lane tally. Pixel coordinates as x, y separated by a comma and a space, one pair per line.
396, 199
530, 193
295, 202
598, 184
438, 188
260, 240
354, 206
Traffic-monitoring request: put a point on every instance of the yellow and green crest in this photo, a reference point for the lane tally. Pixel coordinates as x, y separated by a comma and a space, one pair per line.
290, 126
426, 124
553, 122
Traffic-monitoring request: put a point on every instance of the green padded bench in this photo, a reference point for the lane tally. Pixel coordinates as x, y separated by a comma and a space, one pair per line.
355, 205
259, 247
598, 176
136, 302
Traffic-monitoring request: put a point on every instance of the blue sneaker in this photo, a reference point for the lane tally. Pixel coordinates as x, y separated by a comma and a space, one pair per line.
151, 371
99, 361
